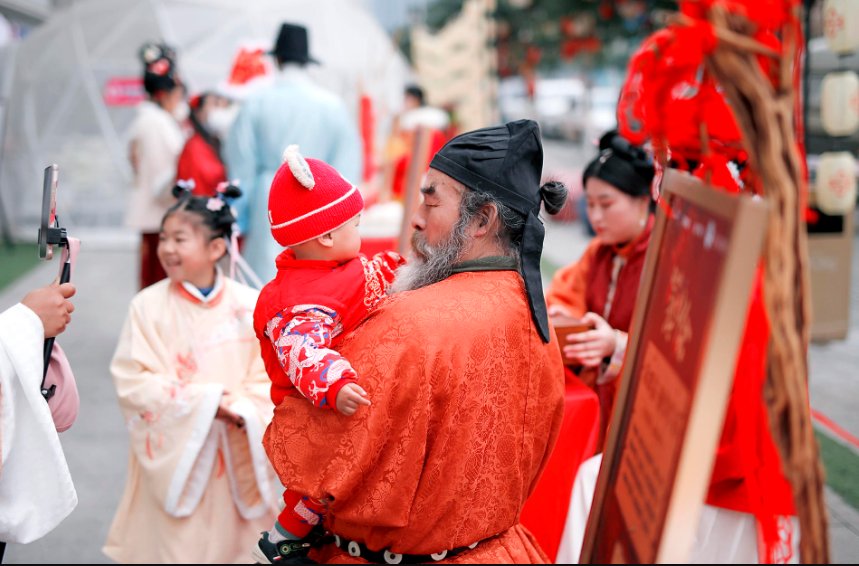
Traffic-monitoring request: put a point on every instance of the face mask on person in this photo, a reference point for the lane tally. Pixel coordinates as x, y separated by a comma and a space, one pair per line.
220, 120
182, 111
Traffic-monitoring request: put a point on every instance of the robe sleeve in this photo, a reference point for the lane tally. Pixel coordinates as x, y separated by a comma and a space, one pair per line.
386, 264
569, 285
256, 385
169, 419
254, 485
241, 155
611, 368
36, 488
302, 337
21, 339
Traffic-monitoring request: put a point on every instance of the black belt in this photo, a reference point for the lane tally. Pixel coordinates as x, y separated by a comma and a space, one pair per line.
359, 550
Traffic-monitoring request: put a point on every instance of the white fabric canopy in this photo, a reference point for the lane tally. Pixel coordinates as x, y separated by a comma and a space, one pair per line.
57, 113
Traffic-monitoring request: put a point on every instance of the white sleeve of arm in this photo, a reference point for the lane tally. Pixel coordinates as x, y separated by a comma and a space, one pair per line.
21, 345
36, 488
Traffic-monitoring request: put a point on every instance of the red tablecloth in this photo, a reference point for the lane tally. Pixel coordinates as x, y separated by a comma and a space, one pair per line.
545, 512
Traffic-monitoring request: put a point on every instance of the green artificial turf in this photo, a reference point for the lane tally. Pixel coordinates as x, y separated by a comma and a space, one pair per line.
842, 468
15, 260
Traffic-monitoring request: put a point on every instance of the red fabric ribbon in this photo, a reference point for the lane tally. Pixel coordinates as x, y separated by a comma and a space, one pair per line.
368, 130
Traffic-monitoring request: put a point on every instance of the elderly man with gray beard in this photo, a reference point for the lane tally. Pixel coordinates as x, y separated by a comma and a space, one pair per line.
465, 376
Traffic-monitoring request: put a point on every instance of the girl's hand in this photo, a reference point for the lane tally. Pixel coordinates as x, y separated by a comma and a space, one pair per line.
350, 398
589, 348
226, 415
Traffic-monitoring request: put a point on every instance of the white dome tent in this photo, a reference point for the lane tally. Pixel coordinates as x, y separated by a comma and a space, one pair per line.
57, 112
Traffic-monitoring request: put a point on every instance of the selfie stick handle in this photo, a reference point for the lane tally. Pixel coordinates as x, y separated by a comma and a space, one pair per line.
65, 275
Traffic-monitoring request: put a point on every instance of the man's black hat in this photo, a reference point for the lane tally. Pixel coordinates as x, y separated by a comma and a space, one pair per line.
292, 45
507, 163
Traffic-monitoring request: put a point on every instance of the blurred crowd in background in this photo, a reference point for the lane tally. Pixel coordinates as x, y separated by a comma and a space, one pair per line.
70, 79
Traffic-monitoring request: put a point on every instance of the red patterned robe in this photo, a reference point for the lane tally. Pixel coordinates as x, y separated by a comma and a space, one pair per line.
467, 403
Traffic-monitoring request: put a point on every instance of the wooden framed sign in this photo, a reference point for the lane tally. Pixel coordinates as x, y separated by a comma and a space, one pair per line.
688, 322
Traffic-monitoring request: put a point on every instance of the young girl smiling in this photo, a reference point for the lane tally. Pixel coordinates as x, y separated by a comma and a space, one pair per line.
194, 394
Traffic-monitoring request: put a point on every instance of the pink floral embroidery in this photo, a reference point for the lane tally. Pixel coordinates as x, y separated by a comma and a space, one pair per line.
186, 366
149, 417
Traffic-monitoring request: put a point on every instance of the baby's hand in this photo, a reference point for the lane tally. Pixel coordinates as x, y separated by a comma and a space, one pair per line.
350, 398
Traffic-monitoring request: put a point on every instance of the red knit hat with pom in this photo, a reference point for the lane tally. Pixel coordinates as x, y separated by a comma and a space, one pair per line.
309, 198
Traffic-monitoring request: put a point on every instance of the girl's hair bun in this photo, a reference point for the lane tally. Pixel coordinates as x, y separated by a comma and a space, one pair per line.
623, 148
183, 188
231, 190
214, 211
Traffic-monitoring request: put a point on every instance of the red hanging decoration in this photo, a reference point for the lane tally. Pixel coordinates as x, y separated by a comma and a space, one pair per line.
669, 99
368, 131
668, 95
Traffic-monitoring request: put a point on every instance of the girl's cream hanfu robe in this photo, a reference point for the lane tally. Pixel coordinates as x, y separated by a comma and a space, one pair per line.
198, 490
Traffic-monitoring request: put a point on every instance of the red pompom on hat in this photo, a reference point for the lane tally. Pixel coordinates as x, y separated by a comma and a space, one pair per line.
309, 198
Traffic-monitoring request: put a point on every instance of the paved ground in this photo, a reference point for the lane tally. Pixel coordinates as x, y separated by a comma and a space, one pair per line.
96, 445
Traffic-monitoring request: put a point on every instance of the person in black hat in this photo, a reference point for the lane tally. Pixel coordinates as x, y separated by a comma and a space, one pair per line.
501, 167
601, 287
291, 45
465, 377
291, 111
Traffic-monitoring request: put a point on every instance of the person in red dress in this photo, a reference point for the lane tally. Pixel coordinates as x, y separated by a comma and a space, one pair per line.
601, 287
749, 514
211, 117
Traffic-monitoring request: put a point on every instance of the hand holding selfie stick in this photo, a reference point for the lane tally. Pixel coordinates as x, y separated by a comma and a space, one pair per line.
52, 234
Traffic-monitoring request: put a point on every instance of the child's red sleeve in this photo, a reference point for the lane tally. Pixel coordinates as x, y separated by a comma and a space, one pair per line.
384, 265
302, 337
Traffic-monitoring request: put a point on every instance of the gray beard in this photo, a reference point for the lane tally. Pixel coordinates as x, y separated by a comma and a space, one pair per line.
427, 264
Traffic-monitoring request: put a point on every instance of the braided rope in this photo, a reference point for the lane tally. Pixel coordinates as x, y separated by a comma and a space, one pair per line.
765, 115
